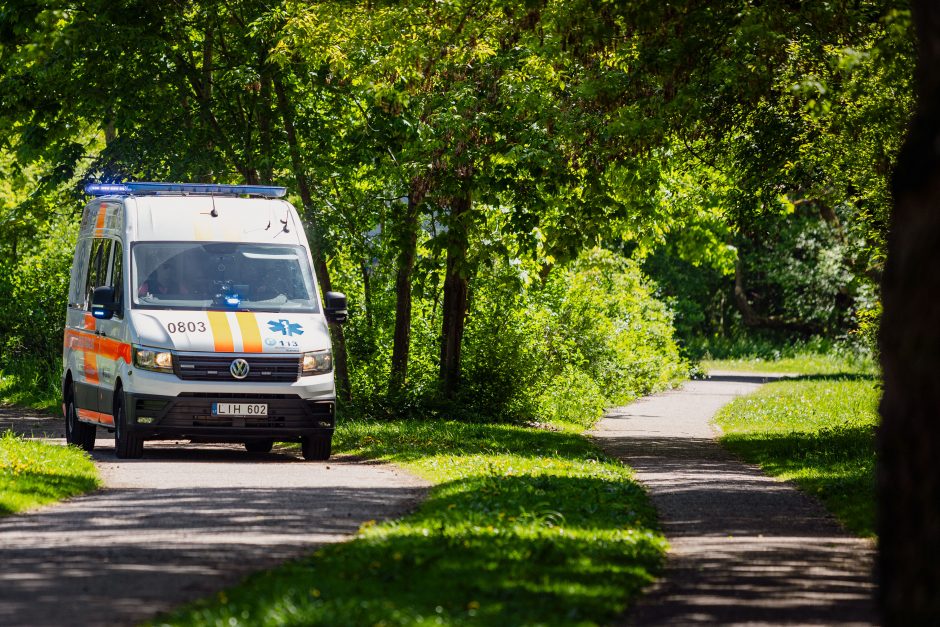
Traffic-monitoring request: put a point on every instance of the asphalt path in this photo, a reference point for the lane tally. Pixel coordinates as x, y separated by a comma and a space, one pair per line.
179, 524
746, 549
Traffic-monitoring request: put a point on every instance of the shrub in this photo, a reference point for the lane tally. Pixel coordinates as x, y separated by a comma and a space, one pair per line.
592, 335
35, 288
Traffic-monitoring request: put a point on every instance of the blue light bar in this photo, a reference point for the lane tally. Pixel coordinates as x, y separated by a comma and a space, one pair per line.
141, 188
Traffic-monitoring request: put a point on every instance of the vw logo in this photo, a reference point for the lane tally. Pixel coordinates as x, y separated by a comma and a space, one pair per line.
239, 368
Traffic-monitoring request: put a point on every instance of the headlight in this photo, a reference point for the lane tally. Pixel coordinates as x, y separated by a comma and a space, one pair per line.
161, 361
319, 362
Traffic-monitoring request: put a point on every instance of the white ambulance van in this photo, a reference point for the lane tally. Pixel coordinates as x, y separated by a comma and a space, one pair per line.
194, 314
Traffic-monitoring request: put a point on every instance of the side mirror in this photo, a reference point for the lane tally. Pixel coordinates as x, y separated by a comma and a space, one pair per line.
334, 306
103, 306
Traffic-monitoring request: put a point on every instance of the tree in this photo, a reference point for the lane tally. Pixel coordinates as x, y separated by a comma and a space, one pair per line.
909, 437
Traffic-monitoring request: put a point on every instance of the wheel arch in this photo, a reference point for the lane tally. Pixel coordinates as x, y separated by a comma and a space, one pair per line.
118, 391
66, 386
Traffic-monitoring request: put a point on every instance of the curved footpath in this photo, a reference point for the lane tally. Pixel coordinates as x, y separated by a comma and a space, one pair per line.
178, 525
745, 548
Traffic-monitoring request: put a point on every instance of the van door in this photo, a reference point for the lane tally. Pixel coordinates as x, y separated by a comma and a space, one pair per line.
83, 333
112, 347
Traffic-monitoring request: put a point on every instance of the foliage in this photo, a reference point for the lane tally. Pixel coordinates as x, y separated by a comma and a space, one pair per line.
33, 473
866, 333
818, 431
523, 526
35, 286
589, 336
710, 137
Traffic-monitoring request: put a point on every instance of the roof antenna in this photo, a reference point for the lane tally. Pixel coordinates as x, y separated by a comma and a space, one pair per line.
214, 213
284, 222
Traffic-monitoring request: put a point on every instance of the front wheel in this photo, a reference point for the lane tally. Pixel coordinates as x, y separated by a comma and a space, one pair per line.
127, 445
317, 448
77, 432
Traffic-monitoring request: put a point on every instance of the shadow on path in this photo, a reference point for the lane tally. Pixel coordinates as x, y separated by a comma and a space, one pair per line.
183, 522
745, 548
123, 555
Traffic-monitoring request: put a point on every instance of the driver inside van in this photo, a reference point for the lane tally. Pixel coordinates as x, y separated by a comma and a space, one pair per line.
165, 279
161, 281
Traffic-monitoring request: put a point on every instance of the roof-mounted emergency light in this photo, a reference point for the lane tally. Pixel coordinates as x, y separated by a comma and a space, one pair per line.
141, 188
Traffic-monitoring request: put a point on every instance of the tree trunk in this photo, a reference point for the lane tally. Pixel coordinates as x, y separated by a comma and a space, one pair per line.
454, 309
909, 436
316, 250
407, 251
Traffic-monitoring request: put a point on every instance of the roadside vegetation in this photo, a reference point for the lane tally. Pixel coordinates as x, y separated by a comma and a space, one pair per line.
818, 431
33, 473
854, 355
522, 526
536, 209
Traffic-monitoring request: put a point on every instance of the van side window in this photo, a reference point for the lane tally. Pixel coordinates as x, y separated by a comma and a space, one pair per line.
117, 276
79, 274
97, 268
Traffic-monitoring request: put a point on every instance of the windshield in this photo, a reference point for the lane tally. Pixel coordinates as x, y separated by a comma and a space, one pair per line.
228, 276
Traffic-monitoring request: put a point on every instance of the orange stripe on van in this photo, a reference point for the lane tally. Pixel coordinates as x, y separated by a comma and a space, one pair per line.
90, 366
221, 332
251, 335
102, 216
79, 341
96, 416
114, 350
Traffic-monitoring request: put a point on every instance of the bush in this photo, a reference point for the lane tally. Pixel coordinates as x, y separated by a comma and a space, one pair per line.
35, 288
591, 336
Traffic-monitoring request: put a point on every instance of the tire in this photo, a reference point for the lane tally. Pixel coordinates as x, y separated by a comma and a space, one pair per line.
126, 445
317, 448
78, 433
259, 446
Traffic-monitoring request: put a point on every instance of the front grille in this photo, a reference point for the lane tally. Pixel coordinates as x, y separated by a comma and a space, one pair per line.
284, 412
215, 368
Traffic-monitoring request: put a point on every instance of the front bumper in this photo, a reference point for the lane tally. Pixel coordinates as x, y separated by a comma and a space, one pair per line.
188, 416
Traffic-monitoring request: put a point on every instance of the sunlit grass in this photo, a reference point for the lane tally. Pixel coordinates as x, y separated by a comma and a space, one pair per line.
818, 363
817, 431
756, 354
33, 473
522, 526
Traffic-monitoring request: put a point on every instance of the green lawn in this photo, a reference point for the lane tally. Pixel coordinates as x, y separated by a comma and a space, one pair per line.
33, 473
818, 431
522, 526
800, 363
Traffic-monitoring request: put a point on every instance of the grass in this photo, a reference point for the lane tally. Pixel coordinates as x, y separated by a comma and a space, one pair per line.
755, 354
522, 526
32, 382
33, 473
799, 363
817, 431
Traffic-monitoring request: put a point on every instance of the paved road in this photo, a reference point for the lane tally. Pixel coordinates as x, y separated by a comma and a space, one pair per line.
179, 524
746, 549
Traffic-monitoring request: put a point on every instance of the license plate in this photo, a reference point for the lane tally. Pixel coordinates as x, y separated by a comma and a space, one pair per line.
239, 409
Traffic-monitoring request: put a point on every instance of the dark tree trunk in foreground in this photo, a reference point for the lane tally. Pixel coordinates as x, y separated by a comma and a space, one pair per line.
909, 438
407, 251
454, 309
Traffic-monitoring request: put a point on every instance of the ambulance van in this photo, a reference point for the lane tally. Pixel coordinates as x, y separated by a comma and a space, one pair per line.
194, 314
